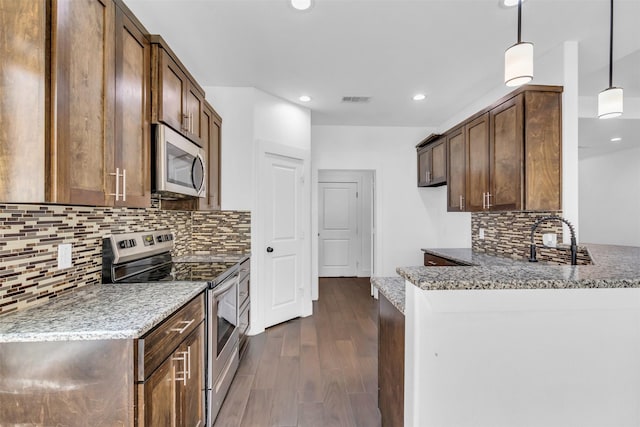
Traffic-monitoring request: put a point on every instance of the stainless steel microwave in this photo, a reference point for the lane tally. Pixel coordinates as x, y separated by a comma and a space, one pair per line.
180, 167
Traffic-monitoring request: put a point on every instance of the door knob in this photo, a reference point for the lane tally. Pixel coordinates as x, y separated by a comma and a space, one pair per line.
269, 249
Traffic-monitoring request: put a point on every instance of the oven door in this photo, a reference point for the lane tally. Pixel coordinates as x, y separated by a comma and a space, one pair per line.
223, 330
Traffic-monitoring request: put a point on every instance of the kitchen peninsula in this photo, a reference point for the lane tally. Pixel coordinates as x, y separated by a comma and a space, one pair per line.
505, 342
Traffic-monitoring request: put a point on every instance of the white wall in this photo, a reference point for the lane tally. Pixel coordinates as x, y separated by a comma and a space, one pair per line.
610, 198
252, 120
407, 217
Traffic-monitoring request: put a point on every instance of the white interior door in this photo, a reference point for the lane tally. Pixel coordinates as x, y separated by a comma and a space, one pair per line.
337, 229
283, 238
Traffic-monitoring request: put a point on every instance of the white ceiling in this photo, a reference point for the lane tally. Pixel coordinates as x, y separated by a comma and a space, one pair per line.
451, 50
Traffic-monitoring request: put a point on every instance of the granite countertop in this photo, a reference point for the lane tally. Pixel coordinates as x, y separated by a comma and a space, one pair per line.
96, 312
392, 288
613, 267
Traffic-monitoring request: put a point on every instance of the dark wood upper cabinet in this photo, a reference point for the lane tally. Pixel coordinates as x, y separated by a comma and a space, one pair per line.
178, 100
432, 161
23, 100
476, 135
505, 162
83, 95
511, 153
212, 127
456, 171
133, 112
86, 136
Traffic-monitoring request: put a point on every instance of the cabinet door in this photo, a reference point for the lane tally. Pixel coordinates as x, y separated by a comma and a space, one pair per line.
506, 137
212, 127
132, 128
193, 111
456, 171
477, 143
424, 166
439, 163
193, 389
172, 87
83, 65
22, 100
161, 396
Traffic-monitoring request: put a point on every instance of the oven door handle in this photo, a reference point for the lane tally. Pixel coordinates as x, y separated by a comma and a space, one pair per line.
224, 287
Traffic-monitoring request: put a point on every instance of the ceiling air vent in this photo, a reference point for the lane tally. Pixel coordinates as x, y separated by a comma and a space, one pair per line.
356, 99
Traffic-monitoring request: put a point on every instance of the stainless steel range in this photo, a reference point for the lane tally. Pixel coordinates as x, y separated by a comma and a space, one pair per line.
145, 257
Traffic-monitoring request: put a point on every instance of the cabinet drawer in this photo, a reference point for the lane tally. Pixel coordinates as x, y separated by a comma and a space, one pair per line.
436, 261
163, 340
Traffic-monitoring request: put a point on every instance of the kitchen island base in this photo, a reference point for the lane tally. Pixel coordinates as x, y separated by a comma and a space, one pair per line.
526, 357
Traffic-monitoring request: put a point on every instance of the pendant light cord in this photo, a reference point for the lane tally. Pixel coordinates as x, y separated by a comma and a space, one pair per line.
610, 48
520, 20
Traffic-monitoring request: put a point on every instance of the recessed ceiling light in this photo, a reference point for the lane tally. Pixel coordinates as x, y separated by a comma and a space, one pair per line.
305, 98
301, 4
419, 97
616, 139
509, 3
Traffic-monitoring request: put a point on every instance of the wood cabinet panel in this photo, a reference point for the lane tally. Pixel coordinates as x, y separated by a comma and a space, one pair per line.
424, 166
168, 335
456, 171
391, 341
212, 129
161, 396
439, 162
477, 170
193, 396
543, 150
506, 166
170, 89
66, 383
23, 100
83, 66
132, 140
436, 261
194, 107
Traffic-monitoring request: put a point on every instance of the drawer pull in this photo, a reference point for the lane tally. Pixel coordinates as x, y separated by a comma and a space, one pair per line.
431, 263
184, 359
186, 324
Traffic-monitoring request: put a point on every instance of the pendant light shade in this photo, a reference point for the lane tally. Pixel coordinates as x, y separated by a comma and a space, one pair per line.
518, 59
610, 100
610, 103
518, 64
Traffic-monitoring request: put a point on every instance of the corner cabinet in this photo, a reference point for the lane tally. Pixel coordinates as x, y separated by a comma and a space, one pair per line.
508, 157
432, 161
88, 125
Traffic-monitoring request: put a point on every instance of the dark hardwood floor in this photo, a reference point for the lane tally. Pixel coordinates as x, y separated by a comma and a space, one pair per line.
321, 370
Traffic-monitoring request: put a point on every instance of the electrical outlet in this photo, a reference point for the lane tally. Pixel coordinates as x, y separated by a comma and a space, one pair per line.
550, 239
64, 256
481, 234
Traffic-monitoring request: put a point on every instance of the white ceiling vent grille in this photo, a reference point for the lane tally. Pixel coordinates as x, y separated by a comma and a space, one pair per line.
356, 99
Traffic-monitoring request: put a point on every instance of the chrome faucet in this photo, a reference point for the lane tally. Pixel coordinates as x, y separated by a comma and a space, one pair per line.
574, 245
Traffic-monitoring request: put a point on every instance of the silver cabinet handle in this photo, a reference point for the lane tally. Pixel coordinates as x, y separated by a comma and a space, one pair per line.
184, 359
191, 121
124, 185
489, 200
461, 202
428, 176
117, 175
484, 200
189, 362
186, 324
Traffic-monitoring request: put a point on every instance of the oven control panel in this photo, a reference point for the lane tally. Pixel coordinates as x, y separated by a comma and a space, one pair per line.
131, 246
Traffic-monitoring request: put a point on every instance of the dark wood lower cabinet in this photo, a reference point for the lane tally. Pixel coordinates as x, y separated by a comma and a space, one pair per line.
390, 364
67, 383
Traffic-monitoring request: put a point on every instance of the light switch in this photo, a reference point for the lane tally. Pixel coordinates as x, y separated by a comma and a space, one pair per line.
481, 234
64, 256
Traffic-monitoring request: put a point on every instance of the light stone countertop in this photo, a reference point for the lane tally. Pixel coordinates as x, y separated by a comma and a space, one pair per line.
98, 312
613, 267
211, 257
392, 288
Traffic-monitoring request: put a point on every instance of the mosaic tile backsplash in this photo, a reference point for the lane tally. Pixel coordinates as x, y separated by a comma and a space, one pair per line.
30, 235
508, 234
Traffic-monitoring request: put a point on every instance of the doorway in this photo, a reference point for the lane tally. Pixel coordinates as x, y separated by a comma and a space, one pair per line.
345, 223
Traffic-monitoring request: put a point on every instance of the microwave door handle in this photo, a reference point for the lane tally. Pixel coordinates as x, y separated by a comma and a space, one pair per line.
200, 186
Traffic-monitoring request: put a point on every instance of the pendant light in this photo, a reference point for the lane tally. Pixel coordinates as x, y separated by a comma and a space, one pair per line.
518, 59
610, 99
